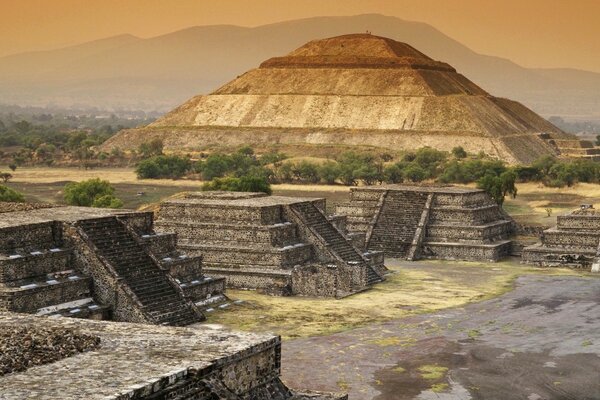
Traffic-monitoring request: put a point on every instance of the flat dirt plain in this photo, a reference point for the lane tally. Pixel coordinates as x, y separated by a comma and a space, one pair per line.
537, 341
534, 205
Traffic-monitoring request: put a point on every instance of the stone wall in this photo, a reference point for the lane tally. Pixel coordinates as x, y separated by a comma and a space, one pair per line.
458, 220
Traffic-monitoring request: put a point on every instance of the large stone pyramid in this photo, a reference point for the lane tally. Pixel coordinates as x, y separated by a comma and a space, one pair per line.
359, 90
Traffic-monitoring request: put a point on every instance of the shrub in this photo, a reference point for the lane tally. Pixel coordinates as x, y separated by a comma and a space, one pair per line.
459, 152
9, 195
307, 171
329, 172
393, 174
91, 193
242, 184
107, 201
5, 176
169, 167
414, 173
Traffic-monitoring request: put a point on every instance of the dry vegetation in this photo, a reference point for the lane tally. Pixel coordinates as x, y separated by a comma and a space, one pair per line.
413, 288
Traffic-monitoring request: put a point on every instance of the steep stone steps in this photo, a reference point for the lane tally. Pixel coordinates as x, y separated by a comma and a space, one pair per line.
397, 223
157, 294
315, 218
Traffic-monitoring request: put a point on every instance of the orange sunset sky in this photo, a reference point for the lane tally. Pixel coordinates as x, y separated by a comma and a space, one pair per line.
533, 33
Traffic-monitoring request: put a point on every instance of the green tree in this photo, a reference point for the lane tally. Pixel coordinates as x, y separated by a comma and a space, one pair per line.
414, 173
498, 187
329, 172
9, 195
91, 193
393, 174
163, 167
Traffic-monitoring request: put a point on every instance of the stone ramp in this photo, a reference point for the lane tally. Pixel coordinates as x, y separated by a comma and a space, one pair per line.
162, 301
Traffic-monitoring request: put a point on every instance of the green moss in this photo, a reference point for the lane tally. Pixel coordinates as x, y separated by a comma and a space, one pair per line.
439, 387
432, 372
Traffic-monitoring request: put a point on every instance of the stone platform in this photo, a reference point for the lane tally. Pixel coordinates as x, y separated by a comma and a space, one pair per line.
574, 242
278, 245
99, 264
436, 222
135, 361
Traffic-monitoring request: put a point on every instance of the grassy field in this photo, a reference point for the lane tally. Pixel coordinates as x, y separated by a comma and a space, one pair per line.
531, 206
412, 288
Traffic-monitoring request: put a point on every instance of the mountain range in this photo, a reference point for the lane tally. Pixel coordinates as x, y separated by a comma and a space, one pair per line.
158, 73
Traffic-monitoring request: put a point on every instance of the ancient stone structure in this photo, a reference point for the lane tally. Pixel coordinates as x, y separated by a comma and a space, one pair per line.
278, 245
99, 264
415, 222
358, 90
134, 361
574, 242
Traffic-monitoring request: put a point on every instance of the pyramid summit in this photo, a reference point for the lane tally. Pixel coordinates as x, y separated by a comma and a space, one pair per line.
357, 90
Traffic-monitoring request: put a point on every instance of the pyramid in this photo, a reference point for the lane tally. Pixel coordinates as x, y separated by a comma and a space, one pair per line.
358, 90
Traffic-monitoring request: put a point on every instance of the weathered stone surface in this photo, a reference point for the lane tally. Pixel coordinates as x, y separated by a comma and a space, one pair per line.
429, 222
93, 263
574, 242
358, 90
25, 347
279, 245
150, 362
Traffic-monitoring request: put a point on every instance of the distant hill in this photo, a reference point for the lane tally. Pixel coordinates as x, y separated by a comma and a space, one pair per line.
163, 71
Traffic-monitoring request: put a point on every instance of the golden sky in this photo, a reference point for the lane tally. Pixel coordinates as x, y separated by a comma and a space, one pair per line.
533, 33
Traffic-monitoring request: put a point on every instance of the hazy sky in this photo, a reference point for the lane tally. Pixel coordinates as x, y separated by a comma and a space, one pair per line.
534, 33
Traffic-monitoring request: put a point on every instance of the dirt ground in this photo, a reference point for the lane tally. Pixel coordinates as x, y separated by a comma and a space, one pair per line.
534, 205
538, 341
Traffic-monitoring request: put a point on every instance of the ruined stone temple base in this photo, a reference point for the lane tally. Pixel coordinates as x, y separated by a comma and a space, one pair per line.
277, 245
574, 242
434, 222
99, 264
135, 361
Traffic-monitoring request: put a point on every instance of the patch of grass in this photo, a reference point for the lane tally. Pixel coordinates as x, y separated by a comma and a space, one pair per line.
586, 343
400, 370
474, 333
439, 387
407, 291
432, 372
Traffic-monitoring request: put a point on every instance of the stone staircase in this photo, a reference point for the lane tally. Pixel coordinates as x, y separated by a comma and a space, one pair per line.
160, 298
337, 243
397, 223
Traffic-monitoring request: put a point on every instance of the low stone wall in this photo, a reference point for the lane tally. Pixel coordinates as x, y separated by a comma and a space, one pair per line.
275, 235
29, 300
33, 265
275, 282
463, 251
578, 222
203, 290
159, 244
35, 236
264, 215
469, 234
